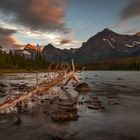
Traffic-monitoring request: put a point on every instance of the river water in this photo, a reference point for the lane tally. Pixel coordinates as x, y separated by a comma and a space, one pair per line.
119, 92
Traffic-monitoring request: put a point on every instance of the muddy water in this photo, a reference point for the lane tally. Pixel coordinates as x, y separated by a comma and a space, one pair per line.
119, 93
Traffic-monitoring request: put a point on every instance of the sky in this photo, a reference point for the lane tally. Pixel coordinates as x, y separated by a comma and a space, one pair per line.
64, 23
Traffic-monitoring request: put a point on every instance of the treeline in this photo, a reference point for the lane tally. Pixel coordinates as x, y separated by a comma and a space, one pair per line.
17, 62
8, 61
132, 63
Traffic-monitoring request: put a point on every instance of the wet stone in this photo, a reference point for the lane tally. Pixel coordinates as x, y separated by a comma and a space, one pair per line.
2, 90
66, 104
14, 85
17, 121
82, 87
22, 87
2, 94
63, 115
113, 99
119, 78
3, 85
94, 103
93, 107
94, 97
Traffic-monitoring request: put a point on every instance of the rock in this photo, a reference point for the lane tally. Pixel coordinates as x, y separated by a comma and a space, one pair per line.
18, 121
80, 103
112, 96
22, 86
95, 98
69, 104
88, 101
71, 110
2, 94
3, 85
2, 90
119, 78
82, 87
14, 85
112, 102
93, 107
62, 115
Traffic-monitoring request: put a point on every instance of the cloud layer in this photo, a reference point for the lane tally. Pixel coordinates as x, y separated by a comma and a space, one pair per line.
131, 10
35, 14
7, 40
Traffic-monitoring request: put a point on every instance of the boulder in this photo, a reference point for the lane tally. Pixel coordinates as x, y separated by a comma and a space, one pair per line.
64, 115
82, 87
3, 85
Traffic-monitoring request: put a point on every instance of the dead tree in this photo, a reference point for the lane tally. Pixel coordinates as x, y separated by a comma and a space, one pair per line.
40, 88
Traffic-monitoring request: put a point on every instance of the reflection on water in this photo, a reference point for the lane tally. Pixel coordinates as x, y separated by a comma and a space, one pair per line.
110, 111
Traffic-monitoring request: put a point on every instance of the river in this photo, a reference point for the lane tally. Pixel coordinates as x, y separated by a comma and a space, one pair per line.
119, 92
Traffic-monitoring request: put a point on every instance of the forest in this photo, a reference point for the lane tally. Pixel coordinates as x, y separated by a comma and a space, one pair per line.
9, 61
132, 63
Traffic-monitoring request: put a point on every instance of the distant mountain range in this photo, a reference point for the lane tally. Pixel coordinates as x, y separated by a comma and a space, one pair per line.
54, 54
105, 45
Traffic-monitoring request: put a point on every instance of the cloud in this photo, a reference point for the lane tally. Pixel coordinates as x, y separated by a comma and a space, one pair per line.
126, 28
66, 41
66, 38
131, 10
132, 31
44, 15
7, 40
37, 19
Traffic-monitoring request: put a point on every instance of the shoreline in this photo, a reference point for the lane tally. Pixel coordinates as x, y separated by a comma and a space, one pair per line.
4, 71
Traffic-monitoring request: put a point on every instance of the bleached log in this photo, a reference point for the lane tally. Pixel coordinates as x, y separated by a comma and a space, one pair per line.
38, 90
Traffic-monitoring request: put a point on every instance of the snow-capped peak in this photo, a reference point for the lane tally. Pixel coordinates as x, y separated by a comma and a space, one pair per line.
109, 43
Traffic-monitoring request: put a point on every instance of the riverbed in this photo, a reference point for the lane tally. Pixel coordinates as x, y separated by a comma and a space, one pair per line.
117, 119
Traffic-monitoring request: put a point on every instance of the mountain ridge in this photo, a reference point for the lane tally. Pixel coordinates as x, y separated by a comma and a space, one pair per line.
104, 45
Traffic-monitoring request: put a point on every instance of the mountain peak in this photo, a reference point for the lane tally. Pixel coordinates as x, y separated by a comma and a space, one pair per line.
106, 30
50, 46
138, 34
106, 33
30, 47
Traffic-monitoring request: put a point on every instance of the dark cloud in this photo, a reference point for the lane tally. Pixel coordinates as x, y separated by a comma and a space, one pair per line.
131, 10
44, 15
7, 40
7, 32
66, 41
132, 31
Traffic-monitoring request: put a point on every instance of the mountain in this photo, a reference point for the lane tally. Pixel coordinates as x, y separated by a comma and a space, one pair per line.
30, 48
54, 54
138, 34
107, 45
51, 53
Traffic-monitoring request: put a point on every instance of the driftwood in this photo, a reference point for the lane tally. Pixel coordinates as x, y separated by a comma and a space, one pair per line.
39, 89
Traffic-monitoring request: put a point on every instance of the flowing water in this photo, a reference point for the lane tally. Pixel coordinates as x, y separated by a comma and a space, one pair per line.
119, 92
